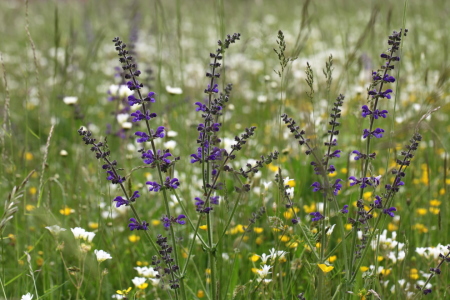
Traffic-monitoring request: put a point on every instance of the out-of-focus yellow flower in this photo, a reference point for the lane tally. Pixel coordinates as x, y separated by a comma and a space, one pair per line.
309, 208
93, 225
442, 191
325, 268
200, 294
39, 261
392, 227
380, 258
348, 226
156, 222
364, 268
141, 263
254, 257
124, 292
29, 156
421, 211
258, 229
254, 270
30, 207
367, 195
292, 245
332, 174
66, 211
134, 238
32, 190
273, 168
284, 238
12, 238
332, 259
414, 274
435, 202
318, 245
203, 227
259, 240
344, 170
420, 227
288, 214
385, 272
434, 210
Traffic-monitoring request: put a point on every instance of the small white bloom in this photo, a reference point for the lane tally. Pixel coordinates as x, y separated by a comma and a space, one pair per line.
262, 98
155, 281
172, 133
63, 153
174, 90
330, 230
70, 100
277, 254
137, 281
170, 145
264, 271
102, 255
89, 236
146, 271
122, 118
55, 229
267, 185
28, 296
264, 257
78, 232
126, 125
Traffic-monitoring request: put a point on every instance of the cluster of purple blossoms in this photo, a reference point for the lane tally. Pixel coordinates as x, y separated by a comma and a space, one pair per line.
136, 225
373, 181
200, 204
121, 201
167, 221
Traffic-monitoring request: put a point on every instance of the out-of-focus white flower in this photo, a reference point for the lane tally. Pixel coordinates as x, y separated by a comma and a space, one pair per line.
264, 257
172, 133
263, 272
262, 98
154, 281
330, 230
121, 91
122, 118
146, 272
174, 90
267, 185
55, 229
102, 255
63, 153
277, 254
139, 282
28, 296
70, 100
79, 233
170, 145
126, 125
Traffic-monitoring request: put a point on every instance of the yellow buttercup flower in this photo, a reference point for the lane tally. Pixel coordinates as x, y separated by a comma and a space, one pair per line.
66, 211
258, 229
435, 202
421, 211
134, 238
325, 268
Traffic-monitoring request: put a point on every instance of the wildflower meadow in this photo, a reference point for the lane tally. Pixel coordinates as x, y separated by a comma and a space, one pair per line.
224, 149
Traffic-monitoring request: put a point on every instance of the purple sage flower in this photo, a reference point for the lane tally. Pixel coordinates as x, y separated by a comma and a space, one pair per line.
316, 216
